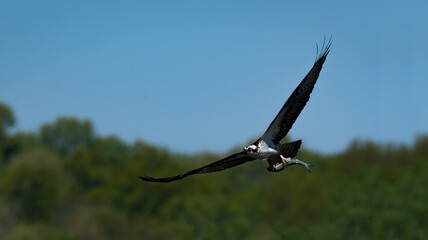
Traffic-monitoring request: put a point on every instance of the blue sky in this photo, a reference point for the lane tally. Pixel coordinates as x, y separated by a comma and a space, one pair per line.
210, 75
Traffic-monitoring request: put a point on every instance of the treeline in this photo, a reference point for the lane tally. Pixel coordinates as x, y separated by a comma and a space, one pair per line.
66, 182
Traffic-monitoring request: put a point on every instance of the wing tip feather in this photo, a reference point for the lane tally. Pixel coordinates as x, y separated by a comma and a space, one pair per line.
325, 49
161, 180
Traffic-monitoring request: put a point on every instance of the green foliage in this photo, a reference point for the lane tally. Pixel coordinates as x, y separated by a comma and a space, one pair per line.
7, 119
7, 145
33, 184
67, 134
66, 183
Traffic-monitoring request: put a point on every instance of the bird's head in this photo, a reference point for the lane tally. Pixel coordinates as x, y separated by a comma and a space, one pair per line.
251, 149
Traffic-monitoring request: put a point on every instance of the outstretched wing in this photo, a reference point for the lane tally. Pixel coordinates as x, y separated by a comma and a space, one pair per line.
228, 162
288, 114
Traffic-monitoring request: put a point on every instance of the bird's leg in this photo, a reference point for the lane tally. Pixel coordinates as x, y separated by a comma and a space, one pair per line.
286, 161
279, 166
297, 161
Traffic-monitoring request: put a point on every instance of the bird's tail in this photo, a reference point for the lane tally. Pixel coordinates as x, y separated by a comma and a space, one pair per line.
289, 149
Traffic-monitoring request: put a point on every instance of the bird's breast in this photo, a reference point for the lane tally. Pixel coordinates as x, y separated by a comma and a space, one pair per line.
265, 151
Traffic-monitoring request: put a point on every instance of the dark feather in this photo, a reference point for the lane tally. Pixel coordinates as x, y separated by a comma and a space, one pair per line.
228, 162
289, 150
288, 114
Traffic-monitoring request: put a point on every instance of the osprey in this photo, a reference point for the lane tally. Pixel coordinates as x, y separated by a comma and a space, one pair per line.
268, 147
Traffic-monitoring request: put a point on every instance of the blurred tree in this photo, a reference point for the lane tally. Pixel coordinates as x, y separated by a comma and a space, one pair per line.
7, 119
66, 134
421, 146
87, 187
95, 165
34, 183
110, 150
98, 222
7, 144
36, 232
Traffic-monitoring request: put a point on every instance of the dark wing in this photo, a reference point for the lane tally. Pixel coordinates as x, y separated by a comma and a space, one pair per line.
288, 114
231, 161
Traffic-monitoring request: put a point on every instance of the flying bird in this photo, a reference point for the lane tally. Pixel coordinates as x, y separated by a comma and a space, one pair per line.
268, 147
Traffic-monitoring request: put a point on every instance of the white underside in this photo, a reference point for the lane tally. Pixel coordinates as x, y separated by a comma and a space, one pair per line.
266, 150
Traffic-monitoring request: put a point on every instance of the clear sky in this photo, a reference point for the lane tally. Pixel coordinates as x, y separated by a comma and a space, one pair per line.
210, 75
